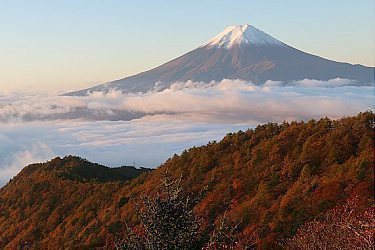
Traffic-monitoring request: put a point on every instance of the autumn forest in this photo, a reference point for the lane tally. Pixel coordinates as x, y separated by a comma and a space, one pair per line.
297, 185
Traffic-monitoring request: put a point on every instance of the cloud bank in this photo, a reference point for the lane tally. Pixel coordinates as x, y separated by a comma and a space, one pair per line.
228, 99
115, 128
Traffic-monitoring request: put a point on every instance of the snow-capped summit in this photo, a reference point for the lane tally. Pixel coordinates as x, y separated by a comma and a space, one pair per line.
240, 35
239, 52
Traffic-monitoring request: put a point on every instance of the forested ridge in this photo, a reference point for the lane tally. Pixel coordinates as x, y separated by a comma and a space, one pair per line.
269, 180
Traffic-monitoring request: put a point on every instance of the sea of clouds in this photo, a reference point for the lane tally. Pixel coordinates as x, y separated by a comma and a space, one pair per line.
116, 128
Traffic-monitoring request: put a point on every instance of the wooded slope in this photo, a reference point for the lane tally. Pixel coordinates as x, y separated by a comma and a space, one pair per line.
270, 179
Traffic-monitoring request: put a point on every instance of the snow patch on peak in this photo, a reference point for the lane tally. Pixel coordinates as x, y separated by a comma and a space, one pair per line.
242, 35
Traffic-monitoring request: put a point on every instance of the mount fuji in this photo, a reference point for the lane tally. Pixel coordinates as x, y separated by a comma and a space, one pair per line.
239, 52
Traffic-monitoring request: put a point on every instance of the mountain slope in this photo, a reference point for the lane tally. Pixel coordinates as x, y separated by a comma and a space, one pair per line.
240, 52
271, 179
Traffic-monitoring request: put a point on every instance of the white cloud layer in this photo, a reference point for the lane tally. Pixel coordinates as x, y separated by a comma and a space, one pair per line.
115, 128
242, 100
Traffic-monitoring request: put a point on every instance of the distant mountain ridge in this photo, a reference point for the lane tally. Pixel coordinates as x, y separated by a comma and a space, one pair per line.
79, 169
239, 52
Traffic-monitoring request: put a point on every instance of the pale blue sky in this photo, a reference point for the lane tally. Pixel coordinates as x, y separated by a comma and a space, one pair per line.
70, 44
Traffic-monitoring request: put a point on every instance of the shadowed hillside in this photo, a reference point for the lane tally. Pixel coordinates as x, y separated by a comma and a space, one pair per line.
271, 180
76, 168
